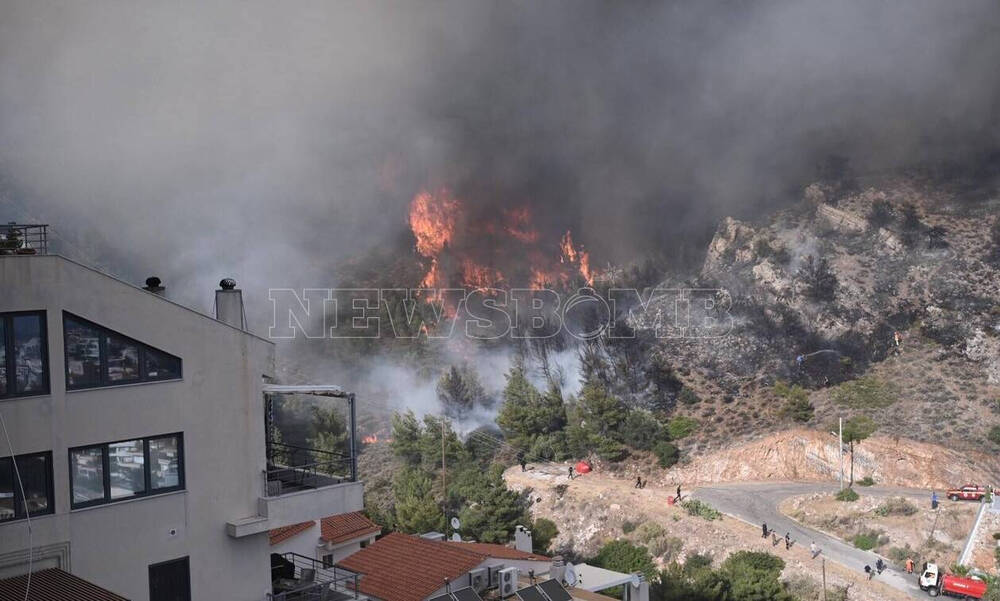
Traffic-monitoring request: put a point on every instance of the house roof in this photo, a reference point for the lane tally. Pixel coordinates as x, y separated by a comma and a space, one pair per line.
400, 567
280, 535
339, 528
499, 551
54, 584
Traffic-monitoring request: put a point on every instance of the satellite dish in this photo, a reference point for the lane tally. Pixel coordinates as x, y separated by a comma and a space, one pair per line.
570, 575
456, 537
455, 523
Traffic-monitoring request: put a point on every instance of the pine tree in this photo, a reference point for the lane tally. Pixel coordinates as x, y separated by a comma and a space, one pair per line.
416, 509
406, 437
460, 392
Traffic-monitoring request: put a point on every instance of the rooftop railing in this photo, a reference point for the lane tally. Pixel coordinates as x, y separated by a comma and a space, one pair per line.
292, 468
22, 239
296, 577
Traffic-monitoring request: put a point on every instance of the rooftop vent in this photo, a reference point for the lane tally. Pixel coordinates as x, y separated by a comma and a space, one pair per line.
154, 285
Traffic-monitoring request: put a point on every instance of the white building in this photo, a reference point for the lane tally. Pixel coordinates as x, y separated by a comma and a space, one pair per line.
138, 429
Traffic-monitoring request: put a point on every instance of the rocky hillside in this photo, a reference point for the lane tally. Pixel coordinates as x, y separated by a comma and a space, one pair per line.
818, 295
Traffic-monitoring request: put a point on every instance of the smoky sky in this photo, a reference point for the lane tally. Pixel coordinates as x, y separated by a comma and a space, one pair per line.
273, 141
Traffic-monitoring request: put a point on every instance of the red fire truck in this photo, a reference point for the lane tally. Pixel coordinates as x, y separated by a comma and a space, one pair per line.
935, 583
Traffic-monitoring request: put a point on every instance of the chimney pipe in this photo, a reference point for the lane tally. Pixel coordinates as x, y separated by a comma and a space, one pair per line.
154, 285
229, 304
522, 539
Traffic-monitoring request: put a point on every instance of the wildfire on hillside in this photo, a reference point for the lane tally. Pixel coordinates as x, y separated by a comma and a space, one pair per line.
489, 251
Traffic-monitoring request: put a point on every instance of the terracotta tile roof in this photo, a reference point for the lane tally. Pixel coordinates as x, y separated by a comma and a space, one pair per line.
400, 567
338, 528
280, 535
499, 551
54, 584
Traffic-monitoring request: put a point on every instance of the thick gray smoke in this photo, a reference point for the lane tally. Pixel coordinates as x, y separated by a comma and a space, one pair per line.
272, 142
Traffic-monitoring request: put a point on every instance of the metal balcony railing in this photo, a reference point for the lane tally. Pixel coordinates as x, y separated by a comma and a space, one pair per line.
296, 577
291, 468
21, 239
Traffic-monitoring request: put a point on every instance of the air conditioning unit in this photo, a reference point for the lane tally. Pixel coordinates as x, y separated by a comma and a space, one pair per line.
494, 572
479, 580
508, 582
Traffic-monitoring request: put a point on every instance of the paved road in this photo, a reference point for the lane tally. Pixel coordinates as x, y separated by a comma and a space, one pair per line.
758, 503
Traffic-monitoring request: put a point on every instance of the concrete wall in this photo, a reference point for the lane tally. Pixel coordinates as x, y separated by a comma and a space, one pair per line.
304, 543
218, 405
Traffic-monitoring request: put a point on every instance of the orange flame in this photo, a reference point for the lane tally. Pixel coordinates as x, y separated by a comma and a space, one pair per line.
432, 219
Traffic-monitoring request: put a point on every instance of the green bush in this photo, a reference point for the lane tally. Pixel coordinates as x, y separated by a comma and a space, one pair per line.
703, 510
648, 531
847, 495
666, 454
866, 481
628, 527
865, 393
667, 547
865, 542
644, 430
611, 450
896, 506
681, 427
688, 396
994, 435
543, 532
623, 556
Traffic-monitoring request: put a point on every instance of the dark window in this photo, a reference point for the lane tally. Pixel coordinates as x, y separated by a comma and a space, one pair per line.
83, 354
24, 368
170, 581
164, 462
327, 561
122, 470
96, 356
87, 475
33, 494
161, 366
127, 466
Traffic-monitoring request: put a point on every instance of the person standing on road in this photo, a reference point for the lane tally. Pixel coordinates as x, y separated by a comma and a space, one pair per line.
909, 565
813, 549
879, 565
763, 528
678, 492
868, 570
521, 460
638, 482
934, 499
788, 541
571, 472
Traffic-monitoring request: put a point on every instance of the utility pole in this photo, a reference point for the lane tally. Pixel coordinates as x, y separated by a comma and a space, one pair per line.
444, 468
840, 453
824, 579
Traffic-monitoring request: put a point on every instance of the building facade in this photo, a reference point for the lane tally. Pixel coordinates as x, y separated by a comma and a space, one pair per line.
137, 440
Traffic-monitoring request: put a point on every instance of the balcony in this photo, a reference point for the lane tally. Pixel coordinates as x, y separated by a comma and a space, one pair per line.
303, 484
296, 577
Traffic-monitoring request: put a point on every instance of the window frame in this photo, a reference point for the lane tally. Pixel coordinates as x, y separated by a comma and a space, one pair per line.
146, 473
104, 380
10, 358
50, 506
